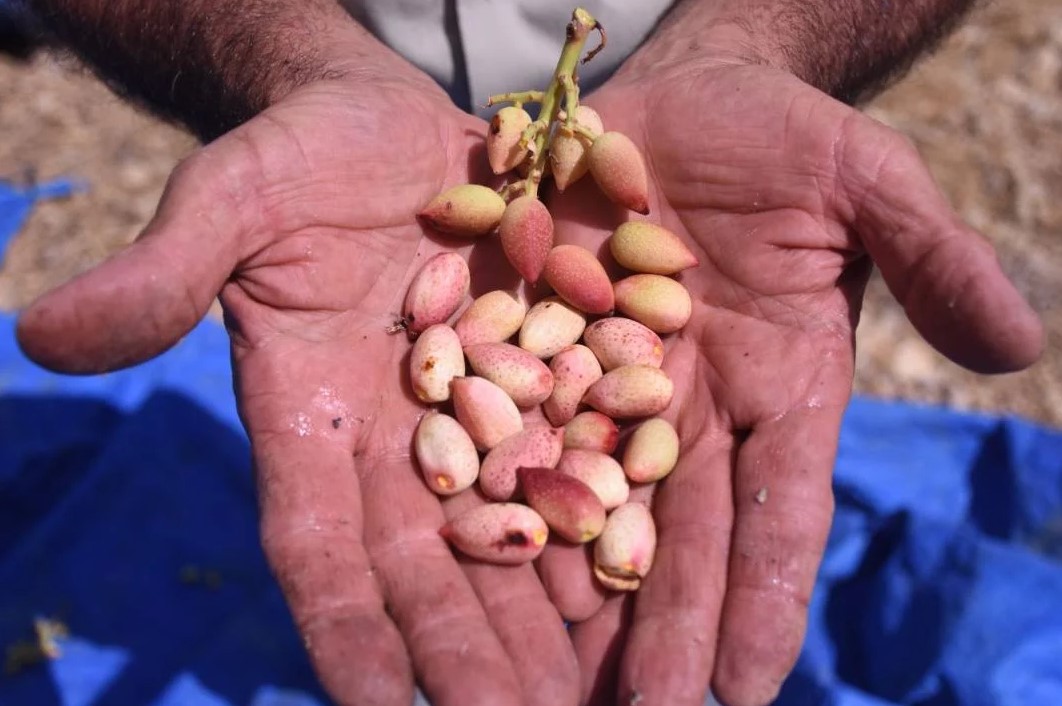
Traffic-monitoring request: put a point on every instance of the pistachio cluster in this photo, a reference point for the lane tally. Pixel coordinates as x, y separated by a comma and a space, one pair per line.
567, 355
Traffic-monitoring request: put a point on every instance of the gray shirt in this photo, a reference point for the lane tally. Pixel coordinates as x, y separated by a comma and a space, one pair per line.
474, 48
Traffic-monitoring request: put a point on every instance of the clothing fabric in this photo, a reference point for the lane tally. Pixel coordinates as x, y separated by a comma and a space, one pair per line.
475, 48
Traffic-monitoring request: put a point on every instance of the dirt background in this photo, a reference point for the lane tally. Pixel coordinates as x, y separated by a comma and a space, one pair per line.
985, 111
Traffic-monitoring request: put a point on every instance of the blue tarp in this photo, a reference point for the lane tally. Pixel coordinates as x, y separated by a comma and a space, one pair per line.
127, 513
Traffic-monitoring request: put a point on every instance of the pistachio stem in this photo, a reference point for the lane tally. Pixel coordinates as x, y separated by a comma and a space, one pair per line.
571, 99
518, 98
583, 131
580, 27
512, 190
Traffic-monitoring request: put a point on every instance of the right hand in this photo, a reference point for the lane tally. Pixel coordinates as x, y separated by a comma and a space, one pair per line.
787, 197
303, 219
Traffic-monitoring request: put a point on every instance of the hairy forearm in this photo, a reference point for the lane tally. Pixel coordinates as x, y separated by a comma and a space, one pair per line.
847, 48
210, 64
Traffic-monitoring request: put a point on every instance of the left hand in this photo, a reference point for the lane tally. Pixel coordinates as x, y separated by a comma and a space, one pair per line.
303, 219
786, 196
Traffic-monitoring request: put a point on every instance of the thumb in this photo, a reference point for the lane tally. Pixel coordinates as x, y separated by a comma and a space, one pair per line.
945, 274
144, 299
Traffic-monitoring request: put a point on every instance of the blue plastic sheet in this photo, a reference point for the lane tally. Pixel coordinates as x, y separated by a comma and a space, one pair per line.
127, 512
16, 202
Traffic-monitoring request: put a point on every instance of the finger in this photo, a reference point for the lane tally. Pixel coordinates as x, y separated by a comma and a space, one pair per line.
944, 274
783, 508
671, 646
527, 624
144, 299
456, 654
599, 642
567, 573
311, 528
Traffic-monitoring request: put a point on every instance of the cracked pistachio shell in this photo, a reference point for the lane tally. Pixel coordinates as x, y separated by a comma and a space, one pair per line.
498, 533
625, 550
652, 451
485, 411
592, 431
526, 379
575, 369
641, 246
568, 152
540, 447
569, 506
445, 453
491, 318
617, 342
503, 138
579, 279
619, 170
600, 471
550, 326
467, 210
631, 391
436, 292
436, 359
526, 234
661, 303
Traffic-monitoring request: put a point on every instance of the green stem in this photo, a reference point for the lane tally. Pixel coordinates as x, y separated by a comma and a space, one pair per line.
571, 99
511, 191
580, 27
582, 131
518, 98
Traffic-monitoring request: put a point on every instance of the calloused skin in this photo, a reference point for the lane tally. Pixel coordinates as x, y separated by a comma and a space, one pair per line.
786, 196
303, 220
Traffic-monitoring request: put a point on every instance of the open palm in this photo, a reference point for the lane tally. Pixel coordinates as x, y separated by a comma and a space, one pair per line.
303, 220
783, 194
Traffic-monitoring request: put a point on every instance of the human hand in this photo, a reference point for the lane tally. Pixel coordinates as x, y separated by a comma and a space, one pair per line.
304, 220
786, 196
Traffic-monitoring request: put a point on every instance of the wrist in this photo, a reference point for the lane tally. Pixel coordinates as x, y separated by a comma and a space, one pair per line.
848, 49
213, 65
699, 40
346, 51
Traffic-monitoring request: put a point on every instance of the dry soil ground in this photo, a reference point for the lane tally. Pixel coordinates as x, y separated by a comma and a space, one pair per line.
985, 110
